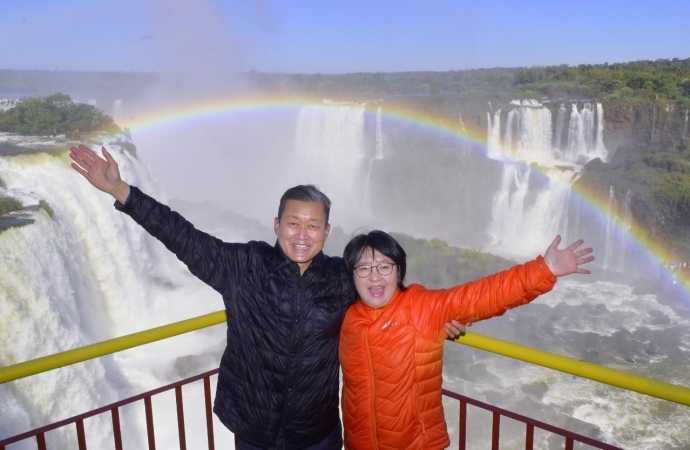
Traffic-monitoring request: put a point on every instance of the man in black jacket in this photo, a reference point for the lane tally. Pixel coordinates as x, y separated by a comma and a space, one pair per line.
279, 375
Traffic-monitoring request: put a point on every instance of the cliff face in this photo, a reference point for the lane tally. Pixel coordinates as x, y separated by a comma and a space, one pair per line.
649, 159
654, 126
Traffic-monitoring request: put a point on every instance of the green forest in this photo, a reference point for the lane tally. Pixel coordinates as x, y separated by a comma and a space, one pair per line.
646, 104
639, 81
53, 115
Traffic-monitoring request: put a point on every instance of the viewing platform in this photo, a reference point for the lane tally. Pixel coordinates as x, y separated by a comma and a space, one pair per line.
658, 389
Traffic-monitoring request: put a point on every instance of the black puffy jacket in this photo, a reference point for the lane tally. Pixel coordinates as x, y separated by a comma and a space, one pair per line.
279, 375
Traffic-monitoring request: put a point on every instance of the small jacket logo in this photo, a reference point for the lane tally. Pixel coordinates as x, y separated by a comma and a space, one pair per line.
390, 323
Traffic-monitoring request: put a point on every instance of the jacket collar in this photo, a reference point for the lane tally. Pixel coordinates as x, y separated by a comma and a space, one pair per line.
281, 261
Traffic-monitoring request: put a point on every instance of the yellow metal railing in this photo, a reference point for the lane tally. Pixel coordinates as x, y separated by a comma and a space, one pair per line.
658, 389
40, 365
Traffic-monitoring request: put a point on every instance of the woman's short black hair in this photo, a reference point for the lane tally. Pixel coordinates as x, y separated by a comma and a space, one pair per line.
381, 241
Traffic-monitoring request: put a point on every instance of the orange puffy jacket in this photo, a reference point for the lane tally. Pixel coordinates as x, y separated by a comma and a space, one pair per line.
392, 357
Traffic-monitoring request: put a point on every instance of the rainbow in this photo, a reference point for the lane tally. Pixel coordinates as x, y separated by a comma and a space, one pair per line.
159, 119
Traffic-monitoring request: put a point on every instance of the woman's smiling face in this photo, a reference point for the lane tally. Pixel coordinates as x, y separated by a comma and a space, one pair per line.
374, 289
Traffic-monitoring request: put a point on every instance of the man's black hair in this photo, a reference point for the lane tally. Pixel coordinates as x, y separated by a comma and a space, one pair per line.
305, 193
382, 242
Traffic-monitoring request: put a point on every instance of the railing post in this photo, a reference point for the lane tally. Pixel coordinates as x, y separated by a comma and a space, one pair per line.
149, 422
81, 437
568, 443
180, 417
41, 441
495, 435
117, 434
463, 425
209, 413
529, 437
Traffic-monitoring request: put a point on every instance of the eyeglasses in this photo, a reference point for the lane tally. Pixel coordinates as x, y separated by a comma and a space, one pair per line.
383, 269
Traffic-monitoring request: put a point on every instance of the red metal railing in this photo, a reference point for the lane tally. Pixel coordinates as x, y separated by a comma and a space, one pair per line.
39, 433
570, 438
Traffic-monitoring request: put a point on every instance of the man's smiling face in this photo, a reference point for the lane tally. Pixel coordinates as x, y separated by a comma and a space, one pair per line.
302, 231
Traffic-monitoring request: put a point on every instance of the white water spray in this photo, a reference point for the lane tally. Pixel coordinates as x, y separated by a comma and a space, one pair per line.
84, 275
530, 207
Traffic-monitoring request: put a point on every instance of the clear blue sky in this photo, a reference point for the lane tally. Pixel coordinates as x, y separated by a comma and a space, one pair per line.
333, 36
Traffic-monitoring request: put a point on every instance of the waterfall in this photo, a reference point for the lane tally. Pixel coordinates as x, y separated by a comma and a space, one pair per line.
560, 124
379, 138
117, 109
511, 124
685, 125
534, 135
330, 151
531, 206
493, 133
599, 147
75, 276
575, 135
378, 156
616, 231
329, 145
585, 139
587, 126
626, 222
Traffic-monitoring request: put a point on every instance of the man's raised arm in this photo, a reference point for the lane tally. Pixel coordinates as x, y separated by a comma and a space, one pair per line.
101, 173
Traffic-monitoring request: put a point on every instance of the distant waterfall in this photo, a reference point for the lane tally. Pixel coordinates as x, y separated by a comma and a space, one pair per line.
86, 274
493, 135
531, 205
378, 156
599, 147
330, 151
117, 109
585, 139
560, 125
685, 125
611, 210
616, 230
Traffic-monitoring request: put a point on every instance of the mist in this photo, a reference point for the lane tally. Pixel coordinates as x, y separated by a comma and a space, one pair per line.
221, 148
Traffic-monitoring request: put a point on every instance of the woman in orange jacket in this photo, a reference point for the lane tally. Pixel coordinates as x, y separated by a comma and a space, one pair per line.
391, 342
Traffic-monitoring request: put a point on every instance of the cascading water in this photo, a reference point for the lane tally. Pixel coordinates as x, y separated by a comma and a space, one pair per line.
560, 125
531, 206
78, 275
608, 229
330, 151
378, 156
89, 273
493, 135
525, 216
329, 147
117, 110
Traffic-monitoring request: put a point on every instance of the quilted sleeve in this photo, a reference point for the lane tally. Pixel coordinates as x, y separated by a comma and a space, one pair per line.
481, 299
207, 257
